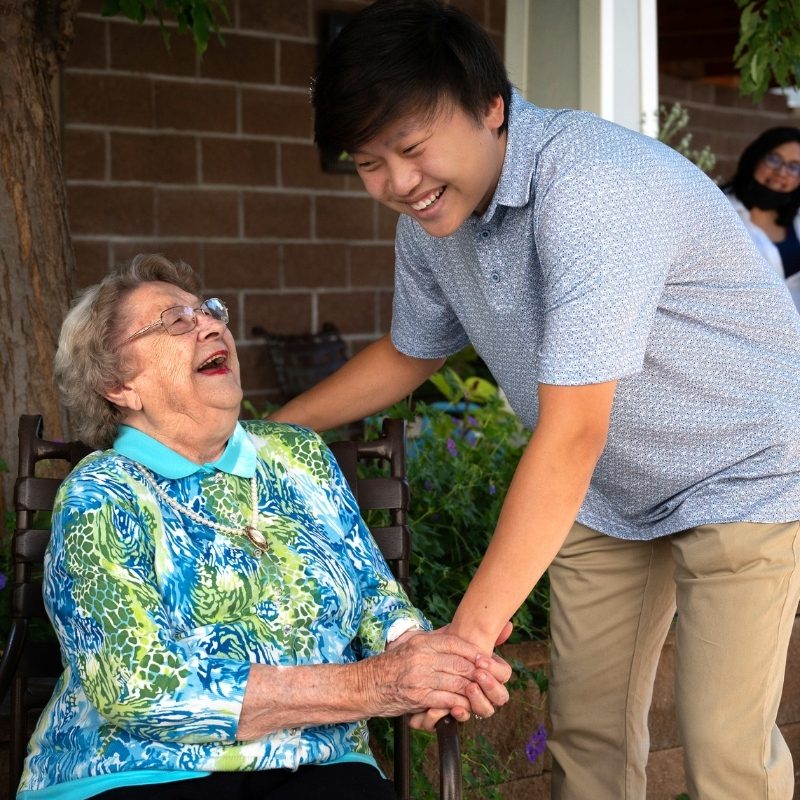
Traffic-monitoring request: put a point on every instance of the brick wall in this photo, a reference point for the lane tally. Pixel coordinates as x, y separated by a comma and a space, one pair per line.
211, 160
722, 119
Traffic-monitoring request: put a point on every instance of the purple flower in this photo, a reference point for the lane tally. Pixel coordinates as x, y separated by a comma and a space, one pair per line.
472, 421
3, 581
492, 488
451, 447
537, 744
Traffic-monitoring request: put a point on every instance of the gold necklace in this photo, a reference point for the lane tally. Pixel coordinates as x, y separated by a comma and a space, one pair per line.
249, 531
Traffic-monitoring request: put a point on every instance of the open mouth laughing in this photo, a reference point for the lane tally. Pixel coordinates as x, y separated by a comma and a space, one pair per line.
215, 364
427, 202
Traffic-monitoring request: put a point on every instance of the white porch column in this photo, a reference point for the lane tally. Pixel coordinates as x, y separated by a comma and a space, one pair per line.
597, 55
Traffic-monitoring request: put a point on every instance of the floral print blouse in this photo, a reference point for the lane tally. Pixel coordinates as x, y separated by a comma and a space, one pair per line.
159, 616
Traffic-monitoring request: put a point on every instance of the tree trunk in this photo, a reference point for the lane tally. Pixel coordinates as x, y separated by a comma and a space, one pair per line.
36, 259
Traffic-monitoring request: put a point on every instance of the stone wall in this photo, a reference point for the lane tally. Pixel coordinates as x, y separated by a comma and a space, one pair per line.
510, 728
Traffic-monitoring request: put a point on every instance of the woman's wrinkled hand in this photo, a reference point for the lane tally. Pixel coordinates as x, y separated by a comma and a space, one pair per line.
422, 671
494, 665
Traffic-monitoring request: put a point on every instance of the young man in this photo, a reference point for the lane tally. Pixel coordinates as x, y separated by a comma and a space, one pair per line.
620, 304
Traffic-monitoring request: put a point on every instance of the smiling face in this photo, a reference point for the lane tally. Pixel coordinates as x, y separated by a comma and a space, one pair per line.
438, 170
779, 179
183, 390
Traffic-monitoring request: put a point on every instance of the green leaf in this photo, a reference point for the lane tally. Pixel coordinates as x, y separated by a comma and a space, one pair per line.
110, 8
133, 9
439, 380
479, 389
198, 17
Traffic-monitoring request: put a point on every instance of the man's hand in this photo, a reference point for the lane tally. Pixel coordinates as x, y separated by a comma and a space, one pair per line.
488, 669
424, 670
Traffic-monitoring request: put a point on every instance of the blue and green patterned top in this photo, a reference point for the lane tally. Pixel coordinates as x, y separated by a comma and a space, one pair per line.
159, 617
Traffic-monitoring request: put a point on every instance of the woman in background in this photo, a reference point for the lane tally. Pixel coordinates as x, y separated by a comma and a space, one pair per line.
766, 193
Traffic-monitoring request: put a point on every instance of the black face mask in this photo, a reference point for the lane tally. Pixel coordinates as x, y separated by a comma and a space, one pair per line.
765, 198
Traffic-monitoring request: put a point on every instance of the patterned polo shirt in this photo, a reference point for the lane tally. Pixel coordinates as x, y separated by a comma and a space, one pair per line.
159, 616
605, 255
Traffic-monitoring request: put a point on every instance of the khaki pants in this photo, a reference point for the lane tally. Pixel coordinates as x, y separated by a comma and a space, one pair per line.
736, 589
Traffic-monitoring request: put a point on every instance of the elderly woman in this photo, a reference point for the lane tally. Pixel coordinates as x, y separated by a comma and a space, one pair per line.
222, 610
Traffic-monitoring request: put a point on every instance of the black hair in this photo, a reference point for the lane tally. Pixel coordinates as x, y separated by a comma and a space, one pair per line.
396, 57
742, 183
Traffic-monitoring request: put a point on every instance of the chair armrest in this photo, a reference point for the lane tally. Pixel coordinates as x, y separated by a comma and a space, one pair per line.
449, 759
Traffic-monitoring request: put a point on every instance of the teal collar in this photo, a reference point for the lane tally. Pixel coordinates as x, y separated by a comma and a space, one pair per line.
239, 457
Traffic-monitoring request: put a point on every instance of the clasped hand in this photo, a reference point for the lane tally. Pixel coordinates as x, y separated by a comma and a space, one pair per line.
434, 674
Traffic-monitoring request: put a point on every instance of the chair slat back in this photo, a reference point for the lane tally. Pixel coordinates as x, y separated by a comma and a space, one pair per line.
388, 493
26, 663
303, 359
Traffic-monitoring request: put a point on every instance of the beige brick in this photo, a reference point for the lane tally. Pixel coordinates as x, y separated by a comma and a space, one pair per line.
243, 59
372, 265
297, 62
103, 99
141, 48
84, 154
288, 312
341, 217
189, 252
185, 212
256, 371
276, 16
88, 49
111, 210
351, 312
247, 162
195, 106
286, 113
284, 215
91, 261
314, 265
300, 168
156, 158
387, 222
242, 265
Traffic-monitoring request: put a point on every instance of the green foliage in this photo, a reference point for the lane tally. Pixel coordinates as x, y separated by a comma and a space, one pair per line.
672, 122
199, 17
482, 769
460, 464
768, 50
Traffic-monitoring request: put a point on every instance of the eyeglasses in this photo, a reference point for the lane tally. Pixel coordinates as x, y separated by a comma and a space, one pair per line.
774, 161
177, 320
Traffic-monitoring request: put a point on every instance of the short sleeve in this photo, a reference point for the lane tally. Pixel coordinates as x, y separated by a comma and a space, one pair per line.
424, 324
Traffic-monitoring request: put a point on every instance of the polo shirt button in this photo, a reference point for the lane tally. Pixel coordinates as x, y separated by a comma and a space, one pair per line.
495, 277
485, 234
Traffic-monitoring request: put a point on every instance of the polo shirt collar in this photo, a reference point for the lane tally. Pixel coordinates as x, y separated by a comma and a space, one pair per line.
238, 458
514, 187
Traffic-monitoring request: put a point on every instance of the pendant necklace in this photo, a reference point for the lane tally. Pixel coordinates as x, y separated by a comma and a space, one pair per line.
249, 531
